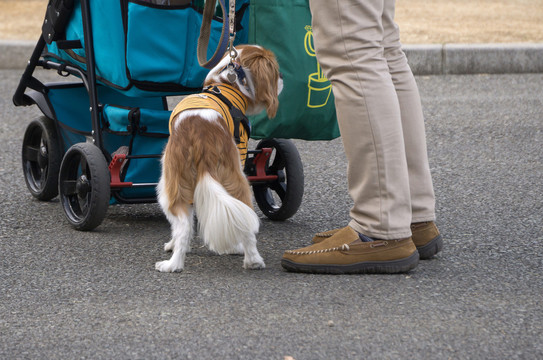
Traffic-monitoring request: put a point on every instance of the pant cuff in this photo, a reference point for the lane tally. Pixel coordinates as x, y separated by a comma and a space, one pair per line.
380, 235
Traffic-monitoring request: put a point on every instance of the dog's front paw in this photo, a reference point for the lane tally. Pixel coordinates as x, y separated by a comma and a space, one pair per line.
168, 266
255, 264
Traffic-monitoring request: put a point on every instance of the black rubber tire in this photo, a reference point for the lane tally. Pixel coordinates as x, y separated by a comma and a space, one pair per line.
285, 162
84, 186
41, 157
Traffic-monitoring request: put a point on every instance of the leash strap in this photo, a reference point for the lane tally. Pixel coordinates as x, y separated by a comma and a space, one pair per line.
205, 33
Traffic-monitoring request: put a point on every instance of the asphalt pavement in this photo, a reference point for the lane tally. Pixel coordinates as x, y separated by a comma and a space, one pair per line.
66, 294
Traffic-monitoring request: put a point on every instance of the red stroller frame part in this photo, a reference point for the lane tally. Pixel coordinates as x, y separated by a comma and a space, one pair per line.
260, 161
115, 167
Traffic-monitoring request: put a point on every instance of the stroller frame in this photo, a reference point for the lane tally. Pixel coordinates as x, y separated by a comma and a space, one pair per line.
87, 176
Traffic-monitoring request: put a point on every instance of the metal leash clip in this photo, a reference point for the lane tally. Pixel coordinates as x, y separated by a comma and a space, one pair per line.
233, 53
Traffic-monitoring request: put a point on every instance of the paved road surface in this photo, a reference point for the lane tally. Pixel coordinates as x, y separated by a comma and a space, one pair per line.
66, 294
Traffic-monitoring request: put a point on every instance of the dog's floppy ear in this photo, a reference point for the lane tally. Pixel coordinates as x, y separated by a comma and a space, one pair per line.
265, 74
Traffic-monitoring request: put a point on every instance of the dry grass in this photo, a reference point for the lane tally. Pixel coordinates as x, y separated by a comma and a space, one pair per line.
21, 20
470, 21
421, 21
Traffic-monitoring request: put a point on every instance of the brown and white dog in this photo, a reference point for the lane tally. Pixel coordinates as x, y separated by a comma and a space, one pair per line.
201, 166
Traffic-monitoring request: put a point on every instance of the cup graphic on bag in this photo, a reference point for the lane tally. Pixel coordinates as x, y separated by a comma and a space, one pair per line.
319, 86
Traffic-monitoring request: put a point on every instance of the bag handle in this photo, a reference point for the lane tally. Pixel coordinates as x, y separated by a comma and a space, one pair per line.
205, 33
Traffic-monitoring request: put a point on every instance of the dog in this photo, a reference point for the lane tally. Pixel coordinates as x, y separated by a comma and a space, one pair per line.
202, 164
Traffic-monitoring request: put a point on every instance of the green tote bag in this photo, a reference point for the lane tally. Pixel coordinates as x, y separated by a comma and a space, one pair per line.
306, 104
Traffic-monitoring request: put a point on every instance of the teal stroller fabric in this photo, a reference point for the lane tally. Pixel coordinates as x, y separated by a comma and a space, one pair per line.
144, 49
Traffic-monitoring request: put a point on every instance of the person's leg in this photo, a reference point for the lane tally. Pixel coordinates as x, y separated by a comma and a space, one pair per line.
420, 180
425, 234
348, 43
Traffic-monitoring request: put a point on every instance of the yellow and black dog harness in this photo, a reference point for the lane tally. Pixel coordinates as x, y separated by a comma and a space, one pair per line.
230, 103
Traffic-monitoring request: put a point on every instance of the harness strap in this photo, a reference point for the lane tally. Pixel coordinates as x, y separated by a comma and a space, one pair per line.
238, 116
230, 103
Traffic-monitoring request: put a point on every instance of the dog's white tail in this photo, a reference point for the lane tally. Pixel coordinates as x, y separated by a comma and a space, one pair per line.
224, 222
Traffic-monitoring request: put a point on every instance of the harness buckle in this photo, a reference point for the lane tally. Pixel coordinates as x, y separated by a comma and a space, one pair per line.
213, 90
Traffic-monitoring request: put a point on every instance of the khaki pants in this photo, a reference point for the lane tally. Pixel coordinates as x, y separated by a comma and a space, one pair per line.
379, 115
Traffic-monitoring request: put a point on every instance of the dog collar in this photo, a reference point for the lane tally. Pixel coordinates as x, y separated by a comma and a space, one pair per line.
238, 70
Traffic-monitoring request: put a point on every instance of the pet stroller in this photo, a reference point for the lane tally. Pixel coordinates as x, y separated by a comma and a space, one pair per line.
101, 136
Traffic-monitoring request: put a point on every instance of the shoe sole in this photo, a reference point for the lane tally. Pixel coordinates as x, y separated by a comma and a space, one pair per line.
429, 250
366, 267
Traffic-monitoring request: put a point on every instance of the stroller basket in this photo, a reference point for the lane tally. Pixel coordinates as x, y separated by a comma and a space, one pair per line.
142, 48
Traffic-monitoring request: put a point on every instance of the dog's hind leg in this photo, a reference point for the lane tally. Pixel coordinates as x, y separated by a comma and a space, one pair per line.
240, 190
252, 259
181, 226
169, 246
181, 234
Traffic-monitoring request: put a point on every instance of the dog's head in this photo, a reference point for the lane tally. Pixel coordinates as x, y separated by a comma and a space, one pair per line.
257, 77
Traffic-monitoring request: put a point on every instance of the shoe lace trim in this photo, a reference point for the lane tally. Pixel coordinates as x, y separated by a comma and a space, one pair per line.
323, 235
343, 247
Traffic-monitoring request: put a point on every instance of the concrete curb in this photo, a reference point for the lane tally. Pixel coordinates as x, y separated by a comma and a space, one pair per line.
424, 59
475, 58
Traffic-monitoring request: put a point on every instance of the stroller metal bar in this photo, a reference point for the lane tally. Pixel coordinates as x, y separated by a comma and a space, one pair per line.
131, 184
91, 73
47, 64
144, 184
19, 98
143, 156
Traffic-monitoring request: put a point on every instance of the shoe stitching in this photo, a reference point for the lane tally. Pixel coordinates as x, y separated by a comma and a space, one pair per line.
323, 234
377, 244
327, 234
343, 247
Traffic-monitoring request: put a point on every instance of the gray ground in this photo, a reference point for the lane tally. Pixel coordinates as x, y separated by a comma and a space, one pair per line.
67, 294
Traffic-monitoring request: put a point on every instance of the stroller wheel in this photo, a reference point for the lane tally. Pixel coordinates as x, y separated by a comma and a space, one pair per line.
84, 186
41, 157
280, 199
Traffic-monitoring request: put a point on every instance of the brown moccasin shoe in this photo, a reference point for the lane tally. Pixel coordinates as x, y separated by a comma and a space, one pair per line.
427, 239
425, 236
344, 253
